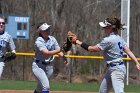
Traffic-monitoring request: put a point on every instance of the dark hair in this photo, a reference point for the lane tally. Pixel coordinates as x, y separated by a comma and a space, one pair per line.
116, 23
39, 24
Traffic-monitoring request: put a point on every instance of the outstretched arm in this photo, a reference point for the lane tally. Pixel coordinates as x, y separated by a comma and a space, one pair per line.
132, 56
53, 52
87, 47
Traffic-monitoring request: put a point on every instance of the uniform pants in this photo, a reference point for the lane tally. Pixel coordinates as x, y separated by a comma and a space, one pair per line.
1, 68
114, 78
42, 73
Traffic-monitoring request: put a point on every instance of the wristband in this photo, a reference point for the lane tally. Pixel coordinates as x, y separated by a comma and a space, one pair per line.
85, 46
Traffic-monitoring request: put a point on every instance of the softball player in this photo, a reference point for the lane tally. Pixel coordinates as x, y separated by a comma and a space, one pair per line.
6, 42
112, 46
45, 47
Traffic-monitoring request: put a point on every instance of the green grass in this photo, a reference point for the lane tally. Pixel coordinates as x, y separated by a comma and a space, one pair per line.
74, 86
132, 88
59, 86
16, 85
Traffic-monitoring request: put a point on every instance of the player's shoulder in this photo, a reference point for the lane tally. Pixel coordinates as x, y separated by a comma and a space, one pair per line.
39, 39
119, 37
51, 37
106, 39
111, 37
6, 34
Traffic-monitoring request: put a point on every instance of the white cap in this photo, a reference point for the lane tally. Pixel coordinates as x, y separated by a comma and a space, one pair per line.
44, 27
104, 23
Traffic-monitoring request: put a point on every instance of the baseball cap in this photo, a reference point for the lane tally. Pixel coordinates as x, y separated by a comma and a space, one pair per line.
105, 23
44, 27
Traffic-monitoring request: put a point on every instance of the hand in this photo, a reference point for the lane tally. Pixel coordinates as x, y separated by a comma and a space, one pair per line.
60, 54
138, 66
64, 59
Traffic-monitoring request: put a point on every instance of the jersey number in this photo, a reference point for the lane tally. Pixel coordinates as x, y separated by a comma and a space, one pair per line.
121, 48
2, 44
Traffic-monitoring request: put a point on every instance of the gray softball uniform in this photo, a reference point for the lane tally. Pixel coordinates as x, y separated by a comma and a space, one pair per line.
112, 47
6, 42
42, 67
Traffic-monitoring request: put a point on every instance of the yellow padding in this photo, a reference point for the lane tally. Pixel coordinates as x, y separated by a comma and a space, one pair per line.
70, 56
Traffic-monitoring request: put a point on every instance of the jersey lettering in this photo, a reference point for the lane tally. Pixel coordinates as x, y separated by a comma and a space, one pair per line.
0, 47
2, 44
121, 49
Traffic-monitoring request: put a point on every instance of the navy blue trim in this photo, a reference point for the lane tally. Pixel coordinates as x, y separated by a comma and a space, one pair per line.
113, 64
43, 62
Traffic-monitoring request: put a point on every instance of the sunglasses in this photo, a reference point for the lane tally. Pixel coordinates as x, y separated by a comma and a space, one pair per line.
3, 23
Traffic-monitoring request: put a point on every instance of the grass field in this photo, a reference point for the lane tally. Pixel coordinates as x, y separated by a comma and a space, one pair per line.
59, 86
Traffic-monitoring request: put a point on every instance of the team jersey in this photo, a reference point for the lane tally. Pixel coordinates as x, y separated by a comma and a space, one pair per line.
112, 47
41, 44
6, 42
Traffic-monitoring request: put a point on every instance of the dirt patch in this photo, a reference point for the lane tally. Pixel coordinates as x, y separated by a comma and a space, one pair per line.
29, 91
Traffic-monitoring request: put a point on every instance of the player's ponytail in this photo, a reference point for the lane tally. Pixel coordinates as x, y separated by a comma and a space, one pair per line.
39, 24
116, 23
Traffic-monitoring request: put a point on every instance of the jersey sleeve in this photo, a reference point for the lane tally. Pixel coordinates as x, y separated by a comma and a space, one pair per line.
104, 44
11, 43
40, 44
56, 45
123, 43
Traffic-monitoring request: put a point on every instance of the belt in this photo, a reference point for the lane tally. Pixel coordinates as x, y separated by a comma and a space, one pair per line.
43, 62
114, 64
115, 60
